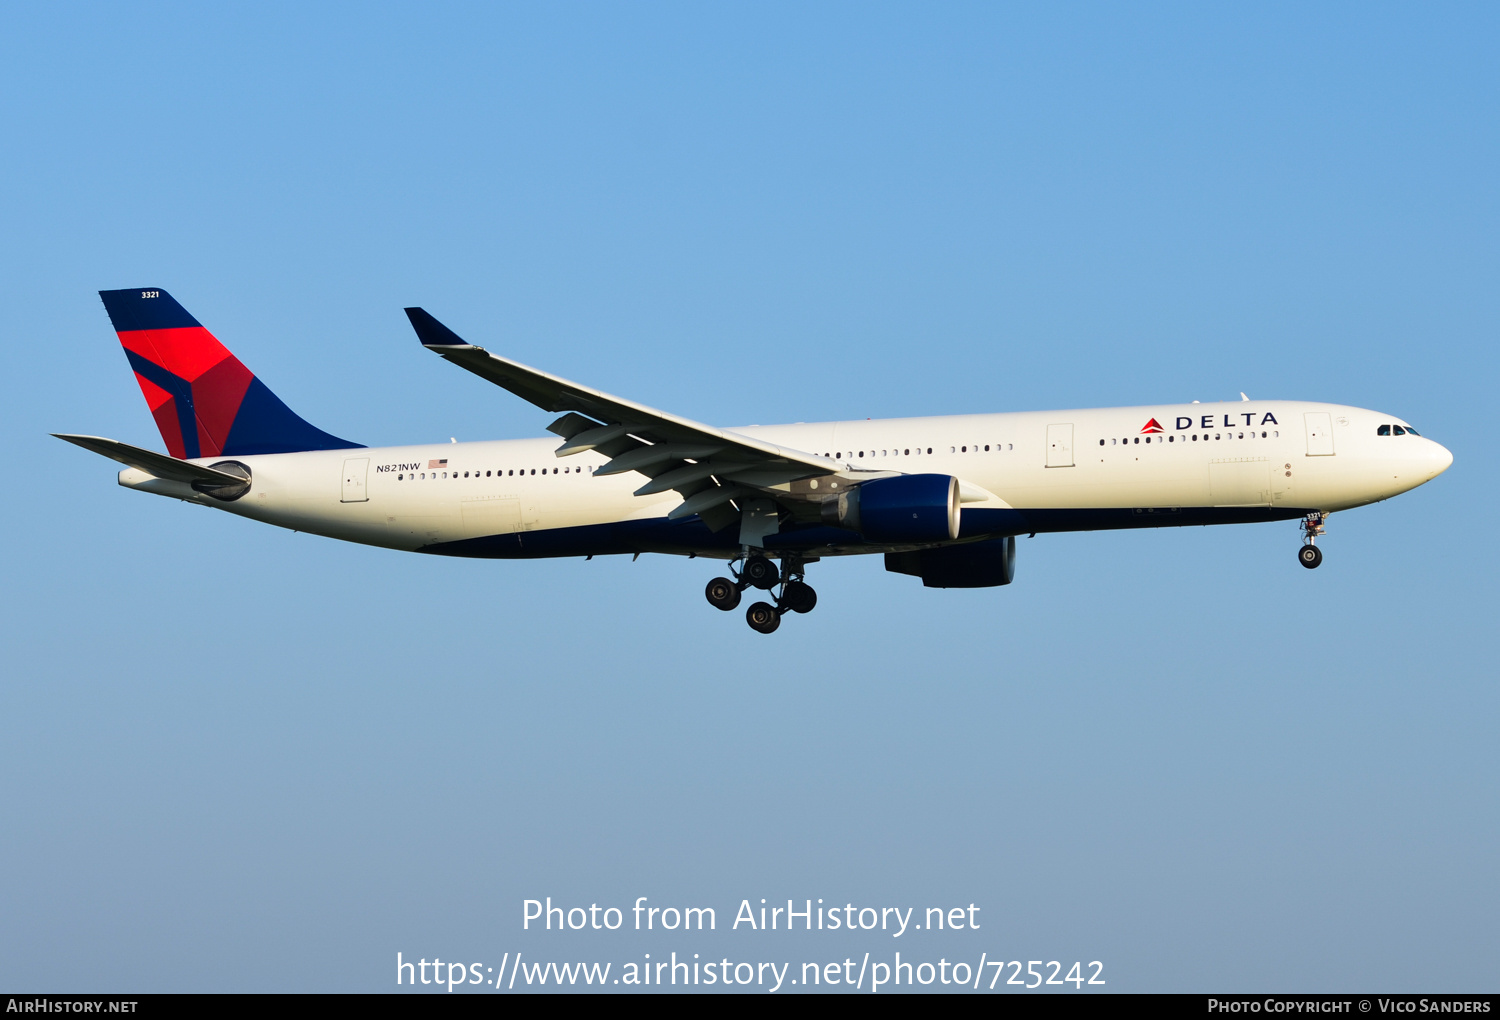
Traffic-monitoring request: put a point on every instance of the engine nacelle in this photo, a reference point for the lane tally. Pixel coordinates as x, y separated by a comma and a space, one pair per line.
906, 508
972, 565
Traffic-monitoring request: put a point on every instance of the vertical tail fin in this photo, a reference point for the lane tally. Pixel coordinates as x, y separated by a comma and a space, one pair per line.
205, 402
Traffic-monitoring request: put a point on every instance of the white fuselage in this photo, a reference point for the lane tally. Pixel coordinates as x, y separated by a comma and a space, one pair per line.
1285, 456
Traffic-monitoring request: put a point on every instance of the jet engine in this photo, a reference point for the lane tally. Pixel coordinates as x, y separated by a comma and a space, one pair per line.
906, 508
972, 565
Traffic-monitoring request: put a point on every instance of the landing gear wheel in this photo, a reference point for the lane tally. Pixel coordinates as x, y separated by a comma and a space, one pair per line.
761, 572
763, 617
722, 593
799, 597
1314, 526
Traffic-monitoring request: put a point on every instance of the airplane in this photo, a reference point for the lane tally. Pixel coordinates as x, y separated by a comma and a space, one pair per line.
941, 498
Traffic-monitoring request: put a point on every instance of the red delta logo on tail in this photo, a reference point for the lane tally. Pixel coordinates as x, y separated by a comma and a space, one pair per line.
191, 382
1152, 426
205, 402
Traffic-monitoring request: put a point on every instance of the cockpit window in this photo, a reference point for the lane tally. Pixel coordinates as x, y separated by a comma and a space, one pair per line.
1412, 431
1398, 430
1384, 430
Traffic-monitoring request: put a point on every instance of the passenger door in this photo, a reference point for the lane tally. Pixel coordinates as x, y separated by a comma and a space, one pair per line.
1059, 446
1319, 433
355, 471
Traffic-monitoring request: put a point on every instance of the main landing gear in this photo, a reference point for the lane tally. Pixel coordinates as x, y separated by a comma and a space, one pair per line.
1312, 527
797, 596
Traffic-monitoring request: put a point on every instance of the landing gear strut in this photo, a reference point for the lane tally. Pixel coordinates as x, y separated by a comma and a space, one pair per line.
1312, 526
797, 596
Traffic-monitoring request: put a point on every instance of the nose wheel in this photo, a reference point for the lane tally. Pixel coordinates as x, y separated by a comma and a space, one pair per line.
1312, 527
796, 595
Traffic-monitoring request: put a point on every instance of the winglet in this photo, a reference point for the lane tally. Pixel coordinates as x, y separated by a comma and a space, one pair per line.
433, 333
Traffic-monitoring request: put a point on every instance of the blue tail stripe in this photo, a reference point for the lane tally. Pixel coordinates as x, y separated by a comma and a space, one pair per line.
182, 397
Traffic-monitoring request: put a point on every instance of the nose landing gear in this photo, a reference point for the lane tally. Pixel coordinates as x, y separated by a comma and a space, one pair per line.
1312, 527
796, 596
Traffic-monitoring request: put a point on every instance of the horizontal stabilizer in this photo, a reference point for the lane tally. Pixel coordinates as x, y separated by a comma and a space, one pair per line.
158, 464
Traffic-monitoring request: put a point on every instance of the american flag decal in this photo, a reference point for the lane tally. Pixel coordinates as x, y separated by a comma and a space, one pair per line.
437, 463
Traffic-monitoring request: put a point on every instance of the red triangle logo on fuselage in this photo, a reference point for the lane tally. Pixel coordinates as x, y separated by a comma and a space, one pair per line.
1152, 426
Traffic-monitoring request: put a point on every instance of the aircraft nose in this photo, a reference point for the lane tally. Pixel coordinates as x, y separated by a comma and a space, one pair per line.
1438, 458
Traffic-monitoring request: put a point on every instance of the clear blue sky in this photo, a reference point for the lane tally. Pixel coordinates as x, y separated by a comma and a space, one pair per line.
240, 758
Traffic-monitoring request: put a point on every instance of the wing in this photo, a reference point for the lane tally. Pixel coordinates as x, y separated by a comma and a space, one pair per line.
707, 466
